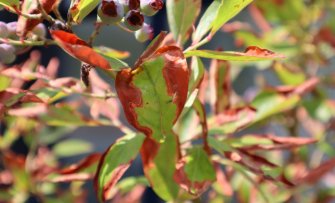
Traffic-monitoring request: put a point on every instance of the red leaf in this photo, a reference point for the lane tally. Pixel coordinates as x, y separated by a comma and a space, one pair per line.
256, 51
79, 49
317, 173
31, 7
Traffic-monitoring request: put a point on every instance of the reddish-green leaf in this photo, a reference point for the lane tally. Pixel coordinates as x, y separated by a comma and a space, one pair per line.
195, 172
114, 162
252, 53
159, 164
79, 49
153, 95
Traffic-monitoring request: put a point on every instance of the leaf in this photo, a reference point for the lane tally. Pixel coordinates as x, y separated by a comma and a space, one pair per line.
81, 8
220, 85
112, 53
159, 165
269, 103
79, 49
153, 95
114, 162
317, 173
206, 21
216, 15
82, 165
72, 147
181, 17
232, 120
228, 9
195, 172
197, 73
31, 7
63, 116
252, 53
109, 55
288, 77
11, 4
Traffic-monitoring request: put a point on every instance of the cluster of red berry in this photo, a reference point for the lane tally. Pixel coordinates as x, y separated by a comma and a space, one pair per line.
8, 31
131, 14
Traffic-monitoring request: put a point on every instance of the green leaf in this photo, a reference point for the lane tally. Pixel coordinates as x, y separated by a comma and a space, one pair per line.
206, 21
198, 166
63, 116
218, 145
269, 103
11, 4
112, 53
4, 82
288, 77
216, 15
80, 9
257, 54
115, 162
181, 16
227, 10
127, 184
197, 74
72, 147
109, 55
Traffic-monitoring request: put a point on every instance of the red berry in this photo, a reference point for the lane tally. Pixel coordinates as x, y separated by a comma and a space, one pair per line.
134, 20
110, 11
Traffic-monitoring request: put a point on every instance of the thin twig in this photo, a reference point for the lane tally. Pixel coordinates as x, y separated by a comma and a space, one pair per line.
27, 42
95, 33
45, 15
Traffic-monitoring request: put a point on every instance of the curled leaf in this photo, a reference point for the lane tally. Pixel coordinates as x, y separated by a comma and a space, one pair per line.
79, 49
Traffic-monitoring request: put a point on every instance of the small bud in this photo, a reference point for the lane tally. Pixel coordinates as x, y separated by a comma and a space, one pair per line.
110, 11
145, 33
11, 27
3, 30
7, 54
151, 7
134, 20
40, 30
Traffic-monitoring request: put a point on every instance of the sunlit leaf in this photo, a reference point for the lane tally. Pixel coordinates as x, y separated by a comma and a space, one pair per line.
12, 4
72, 147
252, 53
195, 172
81, 8
111, 56
181, 16
159, 164
271, 103
79, 49
113, 53
197, 73
154, 94
216, 15
115, 161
